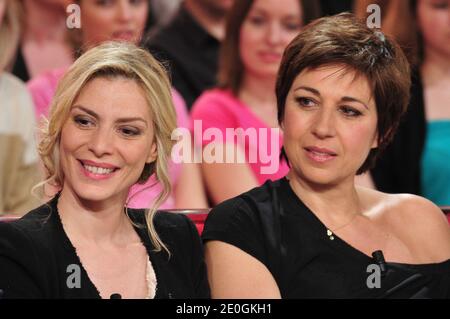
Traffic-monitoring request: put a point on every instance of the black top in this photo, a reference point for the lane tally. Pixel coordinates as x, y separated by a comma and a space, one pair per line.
273, 225
398, 170
332, 7
20, 67
191, 53
35, 254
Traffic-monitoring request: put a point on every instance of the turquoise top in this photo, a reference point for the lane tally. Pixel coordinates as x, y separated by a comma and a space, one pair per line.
436, 163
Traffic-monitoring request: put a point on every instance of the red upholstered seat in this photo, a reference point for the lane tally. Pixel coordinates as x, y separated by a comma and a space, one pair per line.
446, 210
7, 218
198, 216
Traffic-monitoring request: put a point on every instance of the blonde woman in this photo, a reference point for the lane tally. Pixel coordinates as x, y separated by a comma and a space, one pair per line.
109, 128
18, 157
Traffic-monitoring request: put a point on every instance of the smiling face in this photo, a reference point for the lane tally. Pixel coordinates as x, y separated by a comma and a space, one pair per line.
329, 124
107, 140
266, 31
108, 20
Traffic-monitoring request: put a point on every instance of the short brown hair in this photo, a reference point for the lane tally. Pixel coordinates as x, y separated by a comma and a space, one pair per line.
230, 63
344, 40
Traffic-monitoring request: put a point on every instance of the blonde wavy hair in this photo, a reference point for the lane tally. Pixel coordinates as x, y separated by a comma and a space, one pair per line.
110, 60
10, 31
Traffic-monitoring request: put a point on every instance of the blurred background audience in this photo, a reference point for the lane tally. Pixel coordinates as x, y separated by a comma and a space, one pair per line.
257, 33
123, 20
332, 7
19, 170
43, 43
190, 43
161, 12
417, 160
120, 20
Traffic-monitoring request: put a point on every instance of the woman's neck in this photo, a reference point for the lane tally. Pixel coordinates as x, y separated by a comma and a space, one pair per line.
256, 89
435, 67
333, 204
44, 21
92, 221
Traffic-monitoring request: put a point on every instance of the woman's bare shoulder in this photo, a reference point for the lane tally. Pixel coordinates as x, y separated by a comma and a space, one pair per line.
419, 222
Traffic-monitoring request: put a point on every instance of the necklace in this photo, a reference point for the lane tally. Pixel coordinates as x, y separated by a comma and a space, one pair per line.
330, 232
